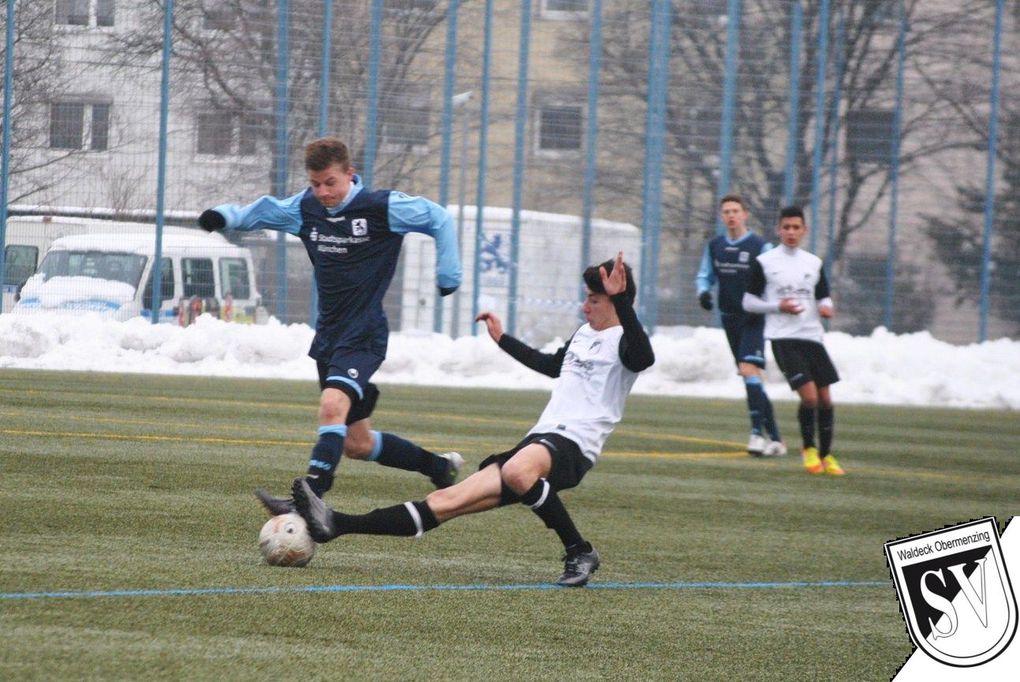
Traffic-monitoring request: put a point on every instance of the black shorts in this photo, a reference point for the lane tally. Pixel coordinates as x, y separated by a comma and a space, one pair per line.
802, 361
568, 464
361, 407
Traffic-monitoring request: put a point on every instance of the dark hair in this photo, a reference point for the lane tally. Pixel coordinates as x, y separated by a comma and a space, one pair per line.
593, 279
791, 212
322, 153
734, 198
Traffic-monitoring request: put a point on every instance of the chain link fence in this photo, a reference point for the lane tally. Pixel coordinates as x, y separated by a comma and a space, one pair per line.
582, 127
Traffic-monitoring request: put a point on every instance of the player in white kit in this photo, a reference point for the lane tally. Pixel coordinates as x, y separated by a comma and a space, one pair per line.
596, 369
789, 287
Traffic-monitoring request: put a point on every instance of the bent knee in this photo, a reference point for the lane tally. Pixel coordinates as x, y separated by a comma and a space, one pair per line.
359, 444
519, 479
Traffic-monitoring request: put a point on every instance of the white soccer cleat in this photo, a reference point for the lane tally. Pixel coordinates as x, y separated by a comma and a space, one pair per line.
448, 476
775, 448
756, 445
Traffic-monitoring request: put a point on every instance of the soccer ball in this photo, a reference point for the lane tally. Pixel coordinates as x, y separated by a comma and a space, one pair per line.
284, 541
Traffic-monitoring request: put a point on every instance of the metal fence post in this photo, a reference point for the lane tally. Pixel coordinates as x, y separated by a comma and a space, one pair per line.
792, 123
890, 265
591, 135
993, 141
818, 157
164, 107
483, 150
5, 152
281, 155
520, 117
449, 80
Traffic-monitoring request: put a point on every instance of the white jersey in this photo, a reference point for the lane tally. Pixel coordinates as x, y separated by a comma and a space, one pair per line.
587, 400
790, 273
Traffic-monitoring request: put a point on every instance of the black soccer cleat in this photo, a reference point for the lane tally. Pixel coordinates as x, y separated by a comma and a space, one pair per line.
314, 511
578, 566
448, 476
275, 505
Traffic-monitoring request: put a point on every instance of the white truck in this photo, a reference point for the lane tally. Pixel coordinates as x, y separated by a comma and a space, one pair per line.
27, 238
549, 289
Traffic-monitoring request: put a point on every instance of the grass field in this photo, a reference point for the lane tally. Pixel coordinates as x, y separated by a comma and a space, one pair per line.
129, 540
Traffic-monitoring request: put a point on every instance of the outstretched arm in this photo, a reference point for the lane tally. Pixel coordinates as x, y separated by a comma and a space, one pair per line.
266, 212
546, 363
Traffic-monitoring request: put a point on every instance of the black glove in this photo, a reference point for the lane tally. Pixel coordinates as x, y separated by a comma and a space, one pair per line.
446, 291
211, 220
705, 299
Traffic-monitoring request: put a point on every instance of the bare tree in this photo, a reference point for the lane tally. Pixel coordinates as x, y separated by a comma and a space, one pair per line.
225, 64
39, 77
862, 37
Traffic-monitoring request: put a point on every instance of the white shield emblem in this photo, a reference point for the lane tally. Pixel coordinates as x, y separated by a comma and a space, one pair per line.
359, 227
955, 593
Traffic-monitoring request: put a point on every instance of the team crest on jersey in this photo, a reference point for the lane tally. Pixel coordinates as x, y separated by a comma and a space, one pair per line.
314, 236
955, 593
359, 227
744, 257
352, 373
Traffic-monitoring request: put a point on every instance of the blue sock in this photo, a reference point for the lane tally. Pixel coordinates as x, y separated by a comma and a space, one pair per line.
769, 416
325, 458
756, 401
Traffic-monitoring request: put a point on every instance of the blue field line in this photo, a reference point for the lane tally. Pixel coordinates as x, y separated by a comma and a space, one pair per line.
202, 591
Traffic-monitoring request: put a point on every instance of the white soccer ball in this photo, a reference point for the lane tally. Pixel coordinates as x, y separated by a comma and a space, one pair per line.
284, 541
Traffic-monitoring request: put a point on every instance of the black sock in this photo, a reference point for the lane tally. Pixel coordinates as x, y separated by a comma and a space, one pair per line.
806, 418
325, 459
400, 453
826, 420
756, 401
544, 501
407, 519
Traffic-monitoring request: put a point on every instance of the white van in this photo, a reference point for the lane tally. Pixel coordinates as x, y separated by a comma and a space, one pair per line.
27, 238
112, 274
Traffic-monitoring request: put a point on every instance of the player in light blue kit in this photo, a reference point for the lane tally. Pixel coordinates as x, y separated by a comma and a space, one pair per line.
353, 238
727, 260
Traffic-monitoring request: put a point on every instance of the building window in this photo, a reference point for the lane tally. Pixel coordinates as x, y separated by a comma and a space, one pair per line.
870, 135
80, 125
559, 128
564, 9
225, 134
83, 12
405, 118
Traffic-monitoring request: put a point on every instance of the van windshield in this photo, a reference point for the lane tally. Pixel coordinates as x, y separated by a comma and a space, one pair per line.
118, 267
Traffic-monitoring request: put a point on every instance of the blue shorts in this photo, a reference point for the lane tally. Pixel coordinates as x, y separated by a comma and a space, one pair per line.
746, 335
350, 371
